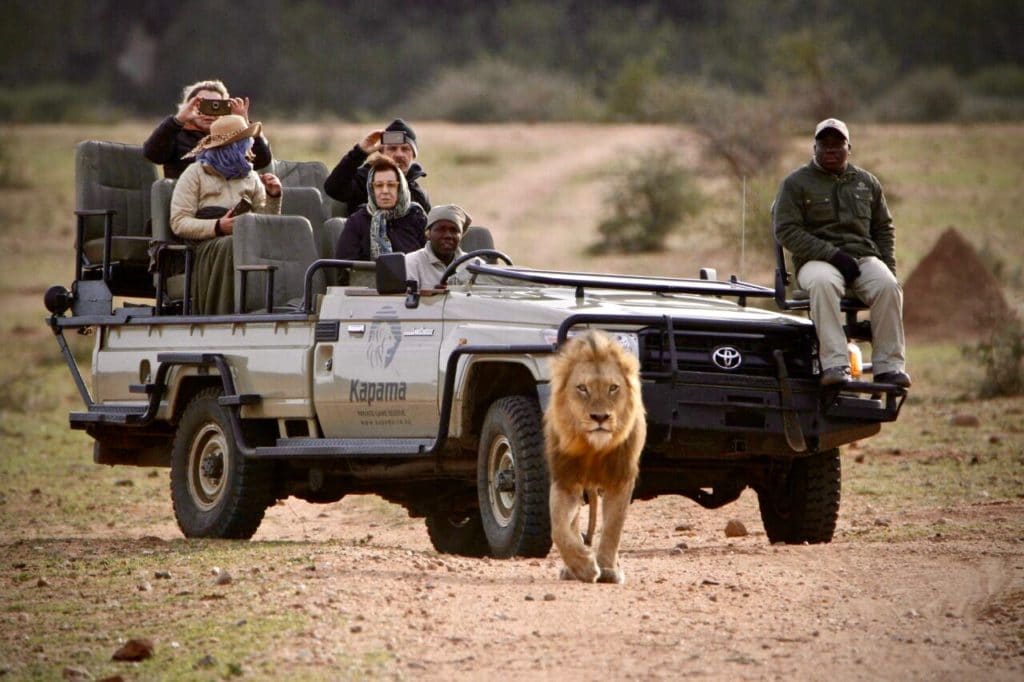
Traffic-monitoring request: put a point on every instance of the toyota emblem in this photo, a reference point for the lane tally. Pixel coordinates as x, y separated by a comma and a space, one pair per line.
726, 357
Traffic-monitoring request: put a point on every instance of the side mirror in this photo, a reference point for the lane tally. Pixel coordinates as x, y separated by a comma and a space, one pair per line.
391, 273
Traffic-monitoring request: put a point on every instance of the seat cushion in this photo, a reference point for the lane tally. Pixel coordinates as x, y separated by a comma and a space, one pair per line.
122, 250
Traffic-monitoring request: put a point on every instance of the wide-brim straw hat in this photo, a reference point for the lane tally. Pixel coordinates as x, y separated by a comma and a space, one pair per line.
225, 130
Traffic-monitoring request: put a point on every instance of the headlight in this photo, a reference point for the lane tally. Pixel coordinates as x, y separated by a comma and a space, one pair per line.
629, 341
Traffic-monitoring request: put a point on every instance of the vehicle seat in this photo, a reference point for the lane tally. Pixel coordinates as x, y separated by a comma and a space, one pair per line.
800, 299
476, 237
306, 174
284, 241
112, 193
172, 288
306, 202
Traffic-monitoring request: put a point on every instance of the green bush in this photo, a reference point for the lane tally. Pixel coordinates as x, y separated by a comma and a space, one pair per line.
1002, 357
1005, 80
53, 103
647, 200
923, 96
492, 90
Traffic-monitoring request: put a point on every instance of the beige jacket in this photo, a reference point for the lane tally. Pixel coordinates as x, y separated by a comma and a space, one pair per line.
200, 186
426, 268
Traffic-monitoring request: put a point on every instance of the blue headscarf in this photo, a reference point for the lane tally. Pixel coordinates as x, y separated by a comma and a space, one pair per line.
230, 160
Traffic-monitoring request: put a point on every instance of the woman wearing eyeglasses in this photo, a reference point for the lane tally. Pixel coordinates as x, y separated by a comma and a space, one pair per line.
389, 222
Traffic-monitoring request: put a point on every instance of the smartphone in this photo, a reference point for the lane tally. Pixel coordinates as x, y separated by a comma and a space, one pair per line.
243, 206
215, 107
392, 137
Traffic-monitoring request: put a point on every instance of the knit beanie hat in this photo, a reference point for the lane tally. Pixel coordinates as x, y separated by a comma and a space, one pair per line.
456, 214
410, 134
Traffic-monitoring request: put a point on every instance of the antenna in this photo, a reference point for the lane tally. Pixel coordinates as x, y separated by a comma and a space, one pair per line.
743, 231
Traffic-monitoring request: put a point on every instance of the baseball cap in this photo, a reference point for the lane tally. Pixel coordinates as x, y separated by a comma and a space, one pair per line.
834, 124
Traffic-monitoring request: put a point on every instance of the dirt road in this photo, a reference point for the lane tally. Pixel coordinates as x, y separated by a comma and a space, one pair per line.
696, 603
364, 595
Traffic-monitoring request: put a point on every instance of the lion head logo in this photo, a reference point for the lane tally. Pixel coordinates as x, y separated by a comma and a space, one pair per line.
383, 339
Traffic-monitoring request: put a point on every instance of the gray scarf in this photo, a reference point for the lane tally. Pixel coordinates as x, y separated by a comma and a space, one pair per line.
379, 218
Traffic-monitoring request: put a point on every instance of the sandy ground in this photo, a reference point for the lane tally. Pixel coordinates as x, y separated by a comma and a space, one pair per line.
372, 598
695, 603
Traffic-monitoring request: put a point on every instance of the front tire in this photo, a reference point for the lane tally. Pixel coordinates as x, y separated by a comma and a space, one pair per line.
806, 507
512, 479
216, 492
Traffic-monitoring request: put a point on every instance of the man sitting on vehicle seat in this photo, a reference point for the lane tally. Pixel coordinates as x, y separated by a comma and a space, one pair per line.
347, 182
833, 218
445, 226
178, 134
391, 222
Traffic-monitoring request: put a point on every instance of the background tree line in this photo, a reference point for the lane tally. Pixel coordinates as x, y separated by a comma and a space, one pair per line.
487, 60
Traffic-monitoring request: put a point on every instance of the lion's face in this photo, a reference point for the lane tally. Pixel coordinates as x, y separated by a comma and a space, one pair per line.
595, 393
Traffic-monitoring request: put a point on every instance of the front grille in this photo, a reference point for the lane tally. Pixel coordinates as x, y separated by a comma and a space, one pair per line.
694, 349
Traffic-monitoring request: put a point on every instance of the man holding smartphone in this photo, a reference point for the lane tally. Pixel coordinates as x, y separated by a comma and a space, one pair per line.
347, 182
202, 104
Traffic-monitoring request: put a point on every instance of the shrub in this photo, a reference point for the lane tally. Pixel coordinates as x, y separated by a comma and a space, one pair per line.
923, 96
1002, 357
1004, 80
746, 134
647, 200
53, 103
492, 90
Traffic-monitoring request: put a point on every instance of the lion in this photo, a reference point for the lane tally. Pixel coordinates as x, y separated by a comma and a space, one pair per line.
594, 432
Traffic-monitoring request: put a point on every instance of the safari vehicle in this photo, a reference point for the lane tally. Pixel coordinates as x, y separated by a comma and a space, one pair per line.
434, 399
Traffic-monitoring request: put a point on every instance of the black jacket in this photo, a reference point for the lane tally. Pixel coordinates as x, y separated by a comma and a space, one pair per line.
347, 182
407, 234
171, 141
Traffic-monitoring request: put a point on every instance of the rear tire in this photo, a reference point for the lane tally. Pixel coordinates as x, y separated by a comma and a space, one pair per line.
216, 492
512, 479
806, 507
464, 536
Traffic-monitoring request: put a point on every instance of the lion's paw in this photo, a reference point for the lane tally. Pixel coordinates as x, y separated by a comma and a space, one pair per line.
612, 575
588, 574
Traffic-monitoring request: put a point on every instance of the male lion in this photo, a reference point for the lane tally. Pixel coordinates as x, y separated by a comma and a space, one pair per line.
594, 431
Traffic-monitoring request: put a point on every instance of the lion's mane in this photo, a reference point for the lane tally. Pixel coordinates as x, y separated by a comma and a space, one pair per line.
595, 361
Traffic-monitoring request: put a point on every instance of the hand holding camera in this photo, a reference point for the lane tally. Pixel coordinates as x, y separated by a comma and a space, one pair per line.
371, 142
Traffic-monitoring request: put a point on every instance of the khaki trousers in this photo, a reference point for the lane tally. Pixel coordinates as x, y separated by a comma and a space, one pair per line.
883, 294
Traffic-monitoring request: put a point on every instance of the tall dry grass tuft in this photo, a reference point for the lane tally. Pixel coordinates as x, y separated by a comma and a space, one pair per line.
1002, 357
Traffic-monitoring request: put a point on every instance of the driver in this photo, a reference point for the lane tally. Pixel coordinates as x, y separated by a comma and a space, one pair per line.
445, 226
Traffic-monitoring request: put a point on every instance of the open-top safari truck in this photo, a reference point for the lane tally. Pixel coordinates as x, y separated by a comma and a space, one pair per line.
432, 400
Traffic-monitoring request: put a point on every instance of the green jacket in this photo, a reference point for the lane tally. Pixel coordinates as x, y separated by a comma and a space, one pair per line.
816, 214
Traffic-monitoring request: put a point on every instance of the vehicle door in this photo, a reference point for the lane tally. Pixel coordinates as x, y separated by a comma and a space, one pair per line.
380, 378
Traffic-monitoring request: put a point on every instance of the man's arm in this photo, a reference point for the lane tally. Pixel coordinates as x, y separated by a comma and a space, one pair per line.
791, 227
882, 231
342, 183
